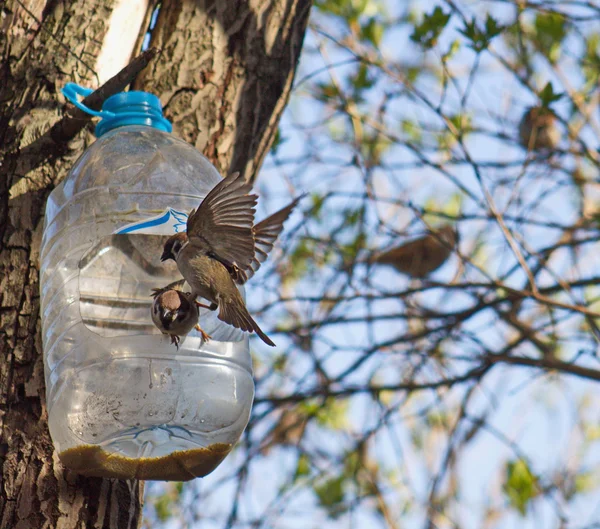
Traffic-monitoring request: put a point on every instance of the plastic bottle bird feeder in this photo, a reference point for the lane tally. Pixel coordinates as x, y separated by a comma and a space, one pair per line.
123, 402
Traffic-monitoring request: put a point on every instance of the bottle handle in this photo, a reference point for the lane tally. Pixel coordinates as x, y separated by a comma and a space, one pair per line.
72, 90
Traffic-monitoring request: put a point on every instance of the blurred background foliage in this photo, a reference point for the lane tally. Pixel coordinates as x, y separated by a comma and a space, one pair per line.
465, 398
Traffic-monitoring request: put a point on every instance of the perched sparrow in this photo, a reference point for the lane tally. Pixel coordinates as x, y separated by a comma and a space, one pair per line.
175, 314
538, 130
222, 247
420, 257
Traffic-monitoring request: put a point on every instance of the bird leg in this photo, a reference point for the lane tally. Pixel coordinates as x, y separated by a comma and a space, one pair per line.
205, 336
175, 340
212, 306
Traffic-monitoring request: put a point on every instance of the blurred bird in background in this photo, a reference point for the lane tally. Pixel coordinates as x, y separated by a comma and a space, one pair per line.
538, 129
420, 257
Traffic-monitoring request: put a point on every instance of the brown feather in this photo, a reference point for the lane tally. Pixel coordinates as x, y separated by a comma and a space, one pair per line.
223, 222
235, 313
265, 235
172, 299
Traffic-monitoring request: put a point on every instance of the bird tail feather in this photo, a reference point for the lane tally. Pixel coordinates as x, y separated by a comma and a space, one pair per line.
239, 317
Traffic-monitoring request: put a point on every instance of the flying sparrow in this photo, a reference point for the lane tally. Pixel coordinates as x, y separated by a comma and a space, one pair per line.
222, 247
420, 257
175, 313
538, 130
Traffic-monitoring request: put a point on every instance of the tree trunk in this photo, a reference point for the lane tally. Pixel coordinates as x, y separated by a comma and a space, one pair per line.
225, 75
37, 60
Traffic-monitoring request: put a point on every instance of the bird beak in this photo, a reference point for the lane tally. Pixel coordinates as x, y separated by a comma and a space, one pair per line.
164, 256
168, 318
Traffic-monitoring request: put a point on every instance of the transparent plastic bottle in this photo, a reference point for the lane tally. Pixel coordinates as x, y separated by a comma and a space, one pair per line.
122, 400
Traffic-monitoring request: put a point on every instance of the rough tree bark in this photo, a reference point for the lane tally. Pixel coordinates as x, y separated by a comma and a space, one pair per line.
225, 76
225, 73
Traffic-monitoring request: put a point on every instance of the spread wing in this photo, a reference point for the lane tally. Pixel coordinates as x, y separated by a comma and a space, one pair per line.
265, 235
222, 224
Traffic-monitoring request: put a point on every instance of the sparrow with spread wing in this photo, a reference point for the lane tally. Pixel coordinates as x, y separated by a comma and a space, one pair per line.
222, 247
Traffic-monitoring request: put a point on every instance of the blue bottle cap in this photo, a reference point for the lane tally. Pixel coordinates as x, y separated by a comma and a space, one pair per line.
124, 108
132, 108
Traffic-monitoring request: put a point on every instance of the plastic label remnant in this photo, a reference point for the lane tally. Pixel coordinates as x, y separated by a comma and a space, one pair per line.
169, 222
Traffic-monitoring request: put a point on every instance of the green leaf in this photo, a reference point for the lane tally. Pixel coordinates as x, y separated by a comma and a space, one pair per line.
427, 32
373, 147
585, 482
591, 62
363, 80
454, 204
302, 467
359, 6
492, 28
326, 92
412, 130
520, 485
318, 201
436, 419
413, 73
280, 363
277, 141
452, 50
350, 10
332, 413
480, 39
417, 438
333, 7
350, 251
352, 216
352, 463
373, 32
548, 96
446, 140
162, 507
462, 123
299, 260
331, 495
592, 432
550, 31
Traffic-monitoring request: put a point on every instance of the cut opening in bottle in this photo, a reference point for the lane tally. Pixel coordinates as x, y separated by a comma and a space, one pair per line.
116, 278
